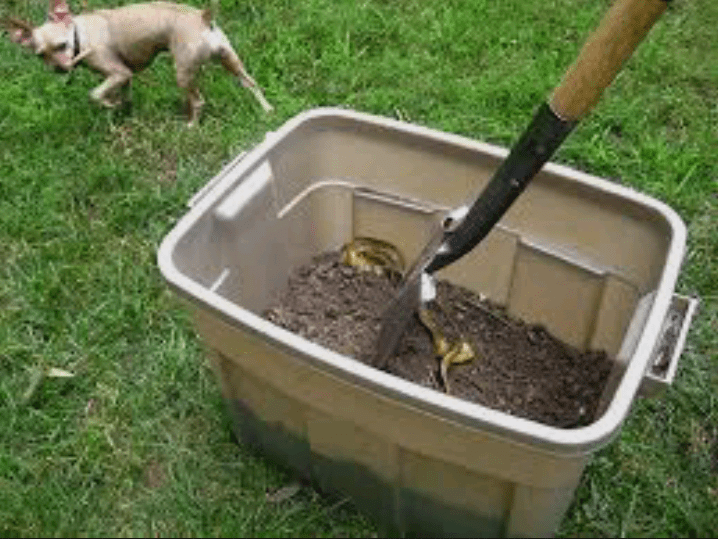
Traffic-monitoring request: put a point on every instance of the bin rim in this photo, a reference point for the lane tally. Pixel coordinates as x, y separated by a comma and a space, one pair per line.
537, 436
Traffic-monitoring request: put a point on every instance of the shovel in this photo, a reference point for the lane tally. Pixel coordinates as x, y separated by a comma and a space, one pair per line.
623, 27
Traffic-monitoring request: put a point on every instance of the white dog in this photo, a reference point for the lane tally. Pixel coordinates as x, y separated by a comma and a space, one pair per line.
122, 41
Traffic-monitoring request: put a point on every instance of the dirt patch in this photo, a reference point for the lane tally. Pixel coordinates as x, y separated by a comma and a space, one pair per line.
168, 167
155, 475
519, 368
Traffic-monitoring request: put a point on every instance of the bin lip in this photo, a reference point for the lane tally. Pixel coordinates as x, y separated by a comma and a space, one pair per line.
554, 440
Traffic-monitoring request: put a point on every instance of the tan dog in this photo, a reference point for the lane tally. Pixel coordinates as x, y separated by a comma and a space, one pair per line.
122, 41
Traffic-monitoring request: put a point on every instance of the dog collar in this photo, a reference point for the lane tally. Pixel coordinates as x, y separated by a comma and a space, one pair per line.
73, 42
76, 39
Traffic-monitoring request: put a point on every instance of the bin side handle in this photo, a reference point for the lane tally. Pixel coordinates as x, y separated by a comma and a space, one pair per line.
200, 194
669, 347
232, 205
206, 188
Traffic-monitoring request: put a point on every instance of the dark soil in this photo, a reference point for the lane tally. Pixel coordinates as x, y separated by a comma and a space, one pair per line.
519, 368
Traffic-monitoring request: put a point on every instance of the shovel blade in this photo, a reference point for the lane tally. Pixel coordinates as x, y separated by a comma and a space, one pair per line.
416, 287
396, 318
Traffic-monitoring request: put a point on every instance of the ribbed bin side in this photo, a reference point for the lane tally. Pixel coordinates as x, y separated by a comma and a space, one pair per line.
413, 473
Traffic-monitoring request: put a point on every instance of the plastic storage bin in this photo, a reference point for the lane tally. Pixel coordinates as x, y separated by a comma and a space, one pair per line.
594, 262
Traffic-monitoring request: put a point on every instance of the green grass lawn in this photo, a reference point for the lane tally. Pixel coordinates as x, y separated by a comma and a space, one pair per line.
137, 443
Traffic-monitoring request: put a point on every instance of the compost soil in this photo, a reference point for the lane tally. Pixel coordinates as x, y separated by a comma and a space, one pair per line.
519, 368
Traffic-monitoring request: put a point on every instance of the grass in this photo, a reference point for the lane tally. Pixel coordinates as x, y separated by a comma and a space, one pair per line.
137, 443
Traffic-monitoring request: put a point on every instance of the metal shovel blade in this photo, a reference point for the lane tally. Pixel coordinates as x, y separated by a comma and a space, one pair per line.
397, 316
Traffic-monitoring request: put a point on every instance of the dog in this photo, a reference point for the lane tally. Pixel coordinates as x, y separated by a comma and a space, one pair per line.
125, 40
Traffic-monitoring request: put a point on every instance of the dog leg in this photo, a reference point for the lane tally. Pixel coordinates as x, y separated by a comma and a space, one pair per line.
194, 103
113, 82
77, 59
234, 65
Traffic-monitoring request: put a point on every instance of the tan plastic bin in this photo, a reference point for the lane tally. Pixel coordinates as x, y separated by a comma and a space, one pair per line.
594, 262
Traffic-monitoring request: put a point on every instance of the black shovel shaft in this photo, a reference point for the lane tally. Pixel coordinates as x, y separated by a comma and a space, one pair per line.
621, 30
538, 143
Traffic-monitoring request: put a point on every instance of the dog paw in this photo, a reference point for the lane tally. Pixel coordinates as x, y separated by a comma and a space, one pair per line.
110, 103
107, 103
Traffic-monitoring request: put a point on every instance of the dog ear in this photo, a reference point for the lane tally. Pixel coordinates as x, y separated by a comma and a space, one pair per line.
20, 31
60, 12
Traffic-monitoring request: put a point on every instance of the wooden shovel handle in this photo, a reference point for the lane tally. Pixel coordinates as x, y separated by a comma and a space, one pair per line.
623, 27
